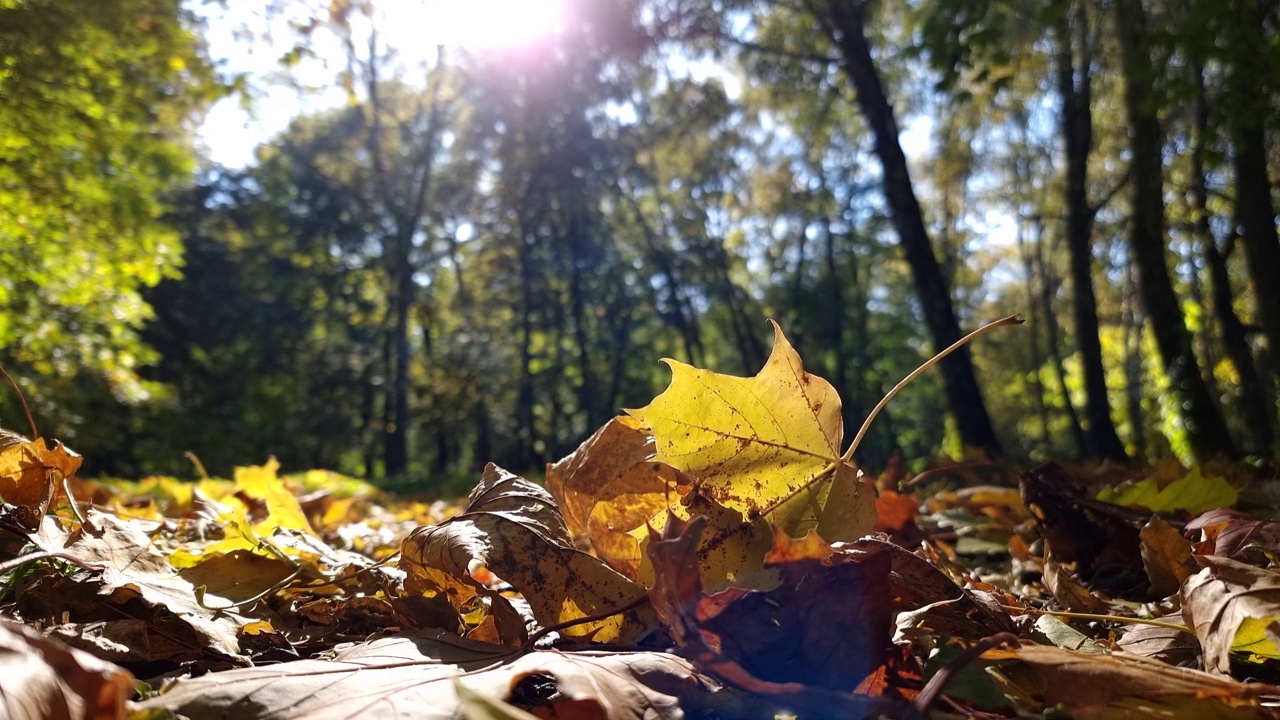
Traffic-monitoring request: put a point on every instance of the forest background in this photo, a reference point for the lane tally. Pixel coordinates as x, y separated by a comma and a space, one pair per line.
481, 250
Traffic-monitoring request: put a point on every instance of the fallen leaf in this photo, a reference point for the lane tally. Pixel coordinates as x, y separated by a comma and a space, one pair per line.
1192, 492
30, 475
41, 679
947, 609
580, 480
475, 706
896, 514
1237, 535
827, 623
126, 566
512, 528
1174, 647
1121, 686
1064, 636
1068, 592
1085, 534
1167, 557
767, 447
1229, 606
411, 677
283, 522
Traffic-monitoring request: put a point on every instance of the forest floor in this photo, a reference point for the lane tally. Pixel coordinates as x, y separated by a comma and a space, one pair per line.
712, 555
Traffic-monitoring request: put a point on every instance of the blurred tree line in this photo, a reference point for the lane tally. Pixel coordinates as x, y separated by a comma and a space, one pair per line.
484, 258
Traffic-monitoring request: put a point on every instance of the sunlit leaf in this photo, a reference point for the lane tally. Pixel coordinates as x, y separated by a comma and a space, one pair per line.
1229, 606
513, 529
1192, 492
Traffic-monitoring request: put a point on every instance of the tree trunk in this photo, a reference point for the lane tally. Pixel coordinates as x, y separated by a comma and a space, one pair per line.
1133, 374
1074, 84
1051, 329
1037, 358
844, 22
524, 400
1253, 395
1255, 212
396, 450
1206, 430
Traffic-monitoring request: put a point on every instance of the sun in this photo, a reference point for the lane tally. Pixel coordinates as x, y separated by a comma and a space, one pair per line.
474, 24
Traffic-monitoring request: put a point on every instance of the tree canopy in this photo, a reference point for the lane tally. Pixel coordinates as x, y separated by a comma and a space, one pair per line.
478, 257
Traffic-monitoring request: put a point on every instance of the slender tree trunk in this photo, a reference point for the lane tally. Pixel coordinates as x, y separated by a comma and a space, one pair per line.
835, 314
681, 314
396, 439
1253, 395
524, 400
1133, 365
1037, 357
844, 22
1075, 87
587, 384
1248, 108
1055, 352
1206, 429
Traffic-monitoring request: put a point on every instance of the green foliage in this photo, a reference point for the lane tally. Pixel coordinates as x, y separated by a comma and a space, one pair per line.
652, 180
98, 100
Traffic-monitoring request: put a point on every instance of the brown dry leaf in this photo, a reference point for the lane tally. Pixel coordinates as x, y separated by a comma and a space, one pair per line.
1102, 545
827, 623
41, 679
1071, 594
579, 480
30, 474
1237, 535
1167, 557
1174, 647
915, 584
411, 677
1121, 686
127, 567
1230, 605
513, 529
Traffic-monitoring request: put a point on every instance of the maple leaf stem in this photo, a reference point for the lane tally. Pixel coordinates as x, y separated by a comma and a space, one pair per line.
35, 433
1015, 319
1092, 616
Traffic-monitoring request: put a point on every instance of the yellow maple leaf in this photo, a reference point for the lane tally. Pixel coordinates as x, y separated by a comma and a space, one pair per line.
767, 447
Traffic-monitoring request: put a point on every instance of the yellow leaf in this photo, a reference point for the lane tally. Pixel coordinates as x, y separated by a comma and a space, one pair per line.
1192, 492
749, 442
767, 446
260, 483
30, 475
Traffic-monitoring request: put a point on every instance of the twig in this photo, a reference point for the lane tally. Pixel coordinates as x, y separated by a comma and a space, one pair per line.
1092, 616
10, 565
933, 688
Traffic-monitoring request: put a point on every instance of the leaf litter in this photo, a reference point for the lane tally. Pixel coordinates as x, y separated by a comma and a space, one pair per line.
716, 553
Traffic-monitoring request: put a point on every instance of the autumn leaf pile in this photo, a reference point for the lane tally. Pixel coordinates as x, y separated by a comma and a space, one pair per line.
715, 554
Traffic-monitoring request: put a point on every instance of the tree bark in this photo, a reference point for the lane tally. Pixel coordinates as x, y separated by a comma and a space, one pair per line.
1075, 87
1255, 212
1206, 430
844, 21
1235, 339
1051, 329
